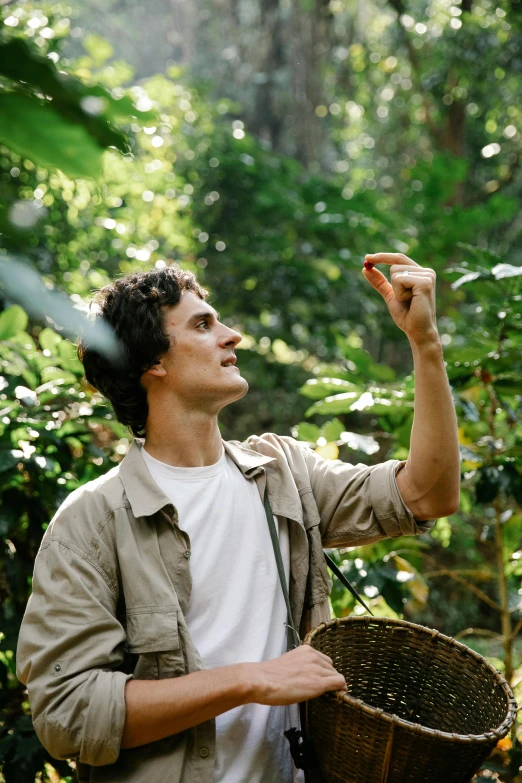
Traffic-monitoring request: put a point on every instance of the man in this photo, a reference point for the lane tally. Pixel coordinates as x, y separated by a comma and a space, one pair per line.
154, 646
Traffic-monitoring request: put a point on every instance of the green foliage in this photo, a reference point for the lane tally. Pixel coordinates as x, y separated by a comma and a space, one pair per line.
72, 119
58, 144
54, 435
12, 322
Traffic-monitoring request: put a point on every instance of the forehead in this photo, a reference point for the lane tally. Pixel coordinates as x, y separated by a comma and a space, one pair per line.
189, 305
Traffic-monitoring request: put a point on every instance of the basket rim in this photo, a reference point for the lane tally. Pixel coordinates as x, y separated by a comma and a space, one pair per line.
417, 728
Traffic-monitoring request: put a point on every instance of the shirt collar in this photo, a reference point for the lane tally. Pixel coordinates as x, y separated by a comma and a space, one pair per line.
248, 461
144, 495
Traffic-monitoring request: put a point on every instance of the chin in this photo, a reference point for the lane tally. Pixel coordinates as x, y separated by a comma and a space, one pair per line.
239, 391
243, 388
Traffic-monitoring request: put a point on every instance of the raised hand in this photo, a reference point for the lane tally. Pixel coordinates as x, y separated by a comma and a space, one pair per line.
410, 294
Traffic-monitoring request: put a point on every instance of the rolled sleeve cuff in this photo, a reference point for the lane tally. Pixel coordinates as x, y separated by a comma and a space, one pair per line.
94, 732
105, 720
390, 509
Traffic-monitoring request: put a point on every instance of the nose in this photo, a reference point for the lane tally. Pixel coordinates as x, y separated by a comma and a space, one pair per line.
230, 338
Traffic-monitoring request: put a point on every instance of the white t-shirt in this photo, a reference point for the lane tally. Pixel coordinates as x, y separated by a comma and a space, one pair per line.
236, 612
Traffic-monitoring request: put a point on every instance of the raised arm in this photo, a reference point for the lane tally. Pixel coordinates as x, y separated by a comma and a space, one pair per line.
359, 504
430, 481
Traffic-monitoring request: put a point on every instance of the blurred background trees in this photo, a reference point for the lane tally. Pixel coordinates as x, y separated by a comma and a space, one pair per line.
267, 145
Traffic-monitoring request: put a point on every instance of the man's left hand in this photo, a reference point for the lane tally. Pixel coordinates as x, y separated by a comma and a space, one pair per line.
410, 296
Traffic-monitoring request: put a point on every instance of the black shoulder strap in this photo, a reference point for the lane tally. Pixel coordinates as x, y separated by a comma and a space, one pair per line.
339, 574
280, 568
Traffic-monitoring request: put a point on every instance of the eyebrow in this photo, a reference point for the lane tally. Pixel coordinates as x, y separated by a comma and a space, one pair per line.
205, 314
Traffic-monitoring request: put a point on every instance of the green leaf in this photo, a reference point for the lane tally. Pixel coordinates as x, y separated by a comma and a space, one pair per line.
468, 278
442, 531
317, 388
59, 143
118, 108
49, 340
23, 342
69, 358
57, 374
484, 256
332, 430
363, 361
376, 401
338, 403
71, 98
12, 321
509, 384
307, 432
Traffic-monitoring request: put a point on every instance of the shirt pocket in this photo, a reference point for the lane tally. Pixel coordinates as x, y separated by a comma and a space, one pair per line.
153, 641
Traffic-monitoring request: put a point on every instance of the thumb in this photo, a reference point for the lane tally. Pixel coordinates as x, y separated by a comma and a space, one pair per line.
378, 281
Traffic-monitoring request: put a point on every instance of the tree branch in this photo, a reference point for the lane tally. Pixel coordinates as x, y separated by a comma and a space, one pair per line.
517, 629
462, 572
471, 587
477, 632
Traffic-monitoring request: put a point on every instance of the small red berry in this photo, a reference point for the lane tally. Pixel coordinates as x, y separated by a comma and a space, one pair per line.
368, 265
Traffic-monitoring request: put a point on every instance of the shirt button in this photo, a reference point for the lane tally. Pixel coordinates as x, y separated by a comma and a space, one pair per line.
186, 554
57, 668
204, 753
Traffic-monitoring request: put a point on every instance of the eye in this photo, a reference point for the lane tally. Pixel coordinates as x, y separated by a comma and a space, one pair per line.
205, 324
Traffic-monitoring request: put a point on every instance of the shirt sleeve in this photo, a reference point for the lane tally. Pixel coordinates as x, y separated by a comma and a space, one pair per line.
69, 649
360, 504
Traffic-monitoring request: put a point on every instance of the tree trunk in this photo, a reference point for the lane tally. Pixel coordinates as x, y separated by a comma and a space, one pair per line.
268, 119
505, 616
311, 30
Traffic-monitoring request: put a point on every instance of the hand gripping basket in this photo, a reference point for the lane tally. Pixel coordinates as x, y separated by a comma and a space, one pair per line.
419, 708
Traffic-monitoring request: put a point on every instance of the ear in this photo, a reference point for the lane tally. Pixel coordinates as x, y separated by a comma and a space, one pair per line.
157, 369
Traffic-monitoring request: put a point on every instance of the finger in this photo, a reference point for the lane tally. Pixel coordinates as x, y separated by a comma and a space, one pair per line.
409, 281
325, 661
337, 684
326, 666
403, 281
318, 653
390, 258
401, 269
379, 282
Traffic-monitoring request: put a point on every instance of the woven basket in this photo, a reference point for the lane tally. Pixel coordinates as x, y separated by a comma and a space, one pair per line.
419, 708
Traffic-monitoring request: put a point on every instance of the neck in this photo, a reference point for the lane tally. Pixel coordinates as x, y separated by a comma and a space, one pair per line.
183, 438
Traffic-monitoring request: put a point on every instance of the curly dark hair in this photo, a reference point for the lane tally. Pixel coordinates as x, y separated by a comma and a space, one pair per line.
133, 307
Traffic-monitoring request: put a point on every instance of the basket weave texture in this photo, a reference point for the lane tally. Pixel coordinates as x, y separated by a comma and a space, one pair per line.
420, 707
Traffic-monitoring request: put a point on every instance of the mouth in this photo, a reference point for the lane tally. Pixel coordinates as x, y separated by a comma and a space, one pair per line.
230, 362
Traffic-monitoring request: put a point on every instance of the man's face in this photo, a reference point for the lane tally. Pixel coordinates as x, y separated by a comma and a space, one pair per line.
199, 367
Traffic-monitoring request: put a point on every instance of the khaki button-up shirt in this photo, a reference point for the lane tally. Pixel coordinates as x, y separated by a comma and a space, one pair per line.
112, 584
